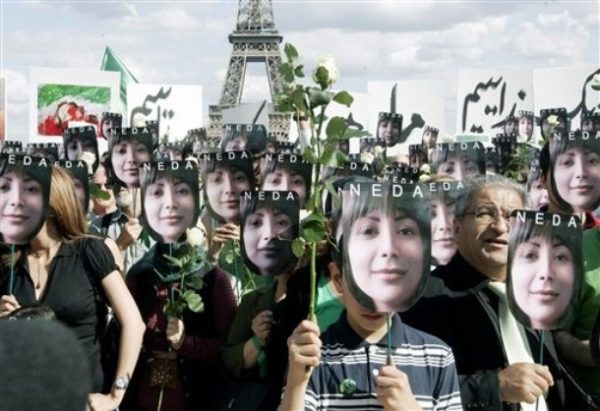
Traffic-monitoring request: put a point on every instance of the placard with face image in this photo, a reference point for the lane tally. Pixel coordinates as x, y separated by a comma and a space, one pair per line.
389, 128
51, 151
109, 120
384, 239
525, 123
128, 148
460, 161
244, 137
11, 147
402, 175
224, 177
559, 125
287, 172
80, 140
79, 172
575, 170
545, 269
270, 222
24, 195
443, 210
170, 199
590, 122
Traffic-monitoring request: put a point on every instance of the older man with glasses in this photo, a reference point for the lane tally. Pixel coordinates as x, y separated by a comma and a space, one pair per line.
497, 359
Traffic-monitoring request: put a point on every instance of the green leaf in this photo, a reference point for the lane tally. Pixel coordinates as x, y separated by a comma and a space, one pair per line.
353, 132
175, 261
313, 228
290, 52
287, 71
335, 195
194, 302
333, 158
299, 71
596, 86
318, 97
194, 282
344, 98
298, 98
335, 128
298, 247
309, 155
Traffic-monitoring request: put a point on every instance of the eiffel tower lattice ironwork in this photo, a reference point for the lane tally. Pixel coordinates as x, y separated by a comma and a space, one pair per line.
255, 40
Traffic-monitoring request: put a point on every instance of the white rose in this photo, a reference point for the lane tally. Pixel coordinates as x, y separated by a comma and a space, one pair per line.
552, 120
328, 63
90, 159
424, 178
367, 157
124, 198
378, 150
195, 237
425, 169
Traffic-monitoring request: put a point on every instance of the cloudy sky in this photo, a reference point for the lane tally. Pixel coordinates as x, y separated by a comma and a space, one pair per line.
185, 42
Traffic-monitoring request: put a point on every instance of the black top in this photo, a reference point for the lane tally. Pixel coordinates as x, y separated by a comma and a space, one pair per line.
69, 293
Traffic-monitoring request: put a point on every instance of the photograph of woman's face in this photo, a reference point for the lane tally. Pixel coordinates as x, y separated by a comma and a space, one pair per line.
385, 252
443, 242
429, 138
169, 208
77, 146
237, 143
268, 236
525, 128
107, 124
510, 126
21, 207
542, 279
388, 130
459, 167
577, 178
284, 178
126, 157
538, 195
223, 187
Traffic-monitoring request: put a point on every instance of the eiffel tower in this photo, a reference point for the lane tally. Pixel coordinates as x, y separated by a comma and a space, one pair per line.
255, 40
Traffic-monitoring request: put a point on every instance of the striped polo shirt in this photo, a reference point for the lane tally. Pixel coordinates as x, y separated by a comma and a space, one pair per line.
427, 361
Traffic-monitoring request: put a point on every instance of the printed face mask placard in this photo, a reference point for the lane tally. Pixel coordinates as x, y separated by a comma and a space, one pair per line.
79, 173
270, 221
459, 160
545, 269
287, 172
170, 199
81, 140
128, 148
575, 168
385, 244
224, 177
24, 196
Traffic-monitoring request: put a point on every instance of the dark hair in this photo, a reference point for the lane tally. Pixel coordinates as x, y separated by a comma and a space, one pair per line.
272, 161
445, 151
522, 232
254, 134
29, 312
86, 133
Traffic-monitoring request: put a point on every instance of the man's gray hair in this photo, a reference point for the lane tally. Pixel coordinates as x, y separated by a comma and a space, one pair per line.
475, 185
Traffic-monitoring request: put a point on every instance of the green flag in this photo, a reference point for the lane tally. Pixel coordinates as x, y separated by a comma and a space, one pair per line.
111, 62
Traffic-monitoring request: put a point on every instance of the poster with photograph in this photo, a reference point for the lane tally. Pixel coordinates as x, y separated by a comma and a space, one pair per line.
78, 170
554, 120
128, 148
176, 108
58, 97
51, 151
287, 172
108, 121
224, 177
270, 222
11, 147
545, 270
575, 168
536, 187
459, 160
386, 244
28, 179
488, 99
568, 87
170, 199
244, 137
81, 143
2, 109
443, 210
421, 103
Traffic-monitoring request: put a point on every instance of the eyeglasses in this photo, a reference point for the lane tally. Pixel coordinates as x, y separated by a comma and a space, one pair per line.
488, 215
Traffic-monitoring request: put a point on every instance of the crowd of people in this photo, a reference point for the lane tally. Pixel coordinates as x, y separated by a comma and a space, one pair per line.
165, 276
